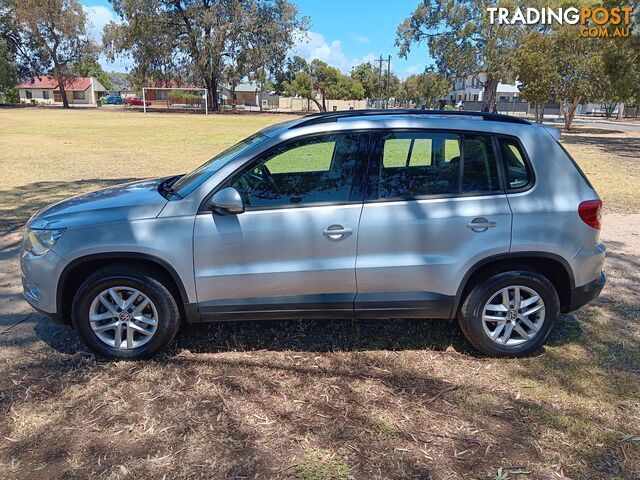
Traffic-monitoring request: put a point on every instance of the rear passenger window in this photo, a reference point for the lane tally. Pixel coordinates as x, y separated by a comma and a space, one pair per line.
418, 164
480, 169
515, 167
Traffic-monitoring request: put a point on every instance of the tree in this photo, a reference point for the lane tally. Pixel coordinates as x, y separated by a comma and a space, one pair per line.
57, 31
580, 68
346, 88
537, 71
462, 41
302, 86
204, 38
368, 77
8, 71
325, 78
426, 88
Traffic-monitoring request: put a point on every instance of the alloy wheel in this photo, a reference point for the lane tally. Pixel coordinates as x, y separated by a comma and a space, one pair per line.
123, 317
513, 315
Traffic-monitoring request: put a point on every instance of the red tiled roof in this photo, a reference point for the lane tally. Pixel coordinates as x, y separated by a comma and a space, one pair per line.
79, 83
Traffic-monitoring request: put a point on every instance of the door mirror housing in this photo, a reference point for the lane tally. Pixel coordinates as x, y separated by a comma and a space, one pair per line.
227, 201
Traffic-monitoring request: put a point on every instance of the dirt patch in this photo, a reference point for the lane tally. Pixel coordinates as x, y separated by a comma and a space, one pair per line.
401, 398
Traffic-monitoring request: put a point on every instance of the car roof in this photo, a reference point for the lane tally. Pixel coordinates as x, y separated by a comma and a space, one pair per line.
397, 118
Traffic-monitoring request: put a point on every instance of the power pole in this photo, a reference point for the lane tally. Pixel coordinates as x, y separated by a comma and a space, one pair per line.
388, 88
388, 80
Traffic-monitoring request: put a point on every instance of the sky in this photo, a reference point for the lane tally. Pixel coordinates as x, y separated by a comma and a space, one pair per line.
343, 33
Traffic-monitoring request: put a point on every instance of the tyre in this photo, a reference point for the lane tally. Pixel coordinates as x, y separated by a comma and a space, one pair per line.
123, 312
510, 314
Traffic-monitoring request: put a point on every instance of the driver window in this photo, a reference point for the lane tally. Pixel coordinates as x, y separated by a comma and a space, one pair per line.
308, 171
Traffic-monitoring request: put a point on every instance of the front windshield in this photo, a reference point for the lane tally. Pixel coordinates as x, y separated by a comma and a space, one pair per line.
188, 183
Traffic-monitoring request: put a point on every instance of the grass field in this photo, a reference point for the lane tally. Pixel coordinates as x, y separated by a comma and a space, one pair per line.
307, 400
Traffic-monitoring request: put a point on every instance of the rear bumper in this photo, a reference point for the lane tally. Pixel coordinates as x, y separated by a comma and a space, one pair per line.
580, 296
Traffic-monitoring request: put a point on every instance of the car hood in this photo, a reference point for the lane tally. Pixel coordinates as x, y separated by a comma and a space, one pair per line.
129, 201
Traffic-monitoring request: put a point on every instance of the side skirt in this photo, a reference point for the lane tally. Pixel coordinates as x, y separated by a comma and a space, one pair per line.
327, 306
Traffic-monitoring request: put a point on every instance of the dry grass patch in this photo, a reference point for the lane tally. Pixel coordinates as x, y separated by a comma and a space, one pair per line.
49, 154
611, 160
318, 400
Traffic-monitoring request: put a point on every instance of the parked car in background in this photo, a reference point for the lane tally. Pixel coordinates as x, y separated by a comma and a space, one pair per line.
135, 102
113, 100
477, 217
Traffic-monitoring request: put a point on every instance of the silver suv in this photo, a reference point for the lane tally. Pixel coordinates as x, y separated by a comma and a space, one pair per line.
480, 217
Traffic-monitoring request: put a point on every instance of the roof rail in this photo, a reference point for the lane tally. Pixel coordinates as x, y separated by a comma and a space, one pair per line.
325, 117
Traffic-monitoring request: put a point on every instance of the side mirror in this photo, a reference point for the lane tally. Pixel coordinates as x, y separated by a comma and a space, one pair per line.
227, 201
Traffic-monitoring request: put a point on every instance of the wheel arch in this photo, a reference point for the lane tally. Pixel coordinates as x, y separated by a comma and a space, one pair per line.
79, 269
552, 266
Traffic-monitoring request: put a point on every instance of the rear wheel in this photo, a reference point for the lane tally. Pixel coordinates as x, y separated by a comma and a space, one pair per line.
125, 313
510, 314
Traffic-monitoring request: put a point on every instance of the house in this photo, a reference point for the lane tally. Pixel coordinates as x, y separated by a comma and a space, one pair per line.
245, 94
471, 89
45, 90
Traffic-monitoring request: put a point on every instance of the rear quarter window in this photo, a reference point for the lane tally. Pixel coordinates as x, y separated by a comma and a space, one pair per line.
518, 173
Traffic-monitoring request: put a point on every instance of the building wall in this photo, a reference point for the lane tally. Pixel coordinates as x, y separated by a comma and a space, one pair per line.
293, 104
38, 95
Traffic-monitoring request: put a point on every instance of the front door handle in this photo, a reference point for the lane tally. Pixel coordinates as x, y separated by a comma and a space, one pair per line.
337, 232
481, 224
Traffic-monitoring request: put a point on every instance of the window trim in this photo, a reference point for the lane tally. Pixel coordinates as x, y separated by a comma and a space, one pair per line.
358, 186
527, 163
377, 150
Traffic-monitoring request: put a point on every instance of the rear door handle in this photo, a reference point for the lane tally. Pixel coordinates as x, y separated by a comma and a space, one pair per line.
481, 224
337, 232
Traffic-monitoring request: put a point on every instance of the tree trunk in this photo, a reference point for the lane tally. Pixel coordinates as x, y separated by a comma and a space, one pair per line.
571, 113
537, 112
542, 114
63, 93
324, 103
621, 111
320, 107
489, 96
211, 84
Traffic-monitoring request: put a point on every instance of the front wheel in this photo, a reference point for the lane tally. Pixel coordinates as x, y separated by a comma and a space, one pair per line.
122, 312
510, 314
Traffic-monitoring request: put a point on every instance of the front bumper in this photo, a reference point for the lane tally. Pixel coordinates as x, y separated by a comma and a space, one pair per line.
40, 276
580, 296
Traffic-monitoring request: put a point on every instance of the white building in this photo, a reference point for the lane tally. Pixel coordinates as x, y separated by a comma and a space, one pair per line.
471, 89
82, 90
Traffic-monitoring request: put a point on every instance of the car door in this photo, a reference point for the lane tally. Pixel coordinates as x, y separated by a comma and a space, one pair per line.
293, 251
434, 207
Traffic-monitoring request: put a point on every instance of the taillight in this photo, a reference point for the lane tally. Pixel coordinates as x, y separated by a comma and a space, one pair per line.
591, 213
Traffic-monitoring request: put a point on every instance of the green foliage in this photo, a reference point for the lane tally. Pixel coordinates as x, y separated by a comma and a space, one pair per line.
426, 88
461, 41
368, 76
56, 32
205, 42
301, 86
320, 78
8, 69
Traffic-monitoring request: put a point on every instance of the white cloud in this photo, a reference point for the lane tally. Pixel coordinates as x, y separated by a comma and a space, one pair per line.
98, 17
361, 39
312, 45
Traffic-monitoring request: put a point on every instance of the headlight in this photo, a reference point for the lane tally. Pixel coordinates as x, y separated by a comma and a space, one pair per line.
39, 242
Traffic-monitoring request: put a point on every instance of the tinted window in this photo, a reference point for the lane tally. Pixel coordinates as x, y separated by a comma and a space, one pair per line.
307, 171
515, 167
480, 170
417, 164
